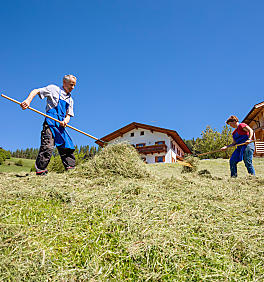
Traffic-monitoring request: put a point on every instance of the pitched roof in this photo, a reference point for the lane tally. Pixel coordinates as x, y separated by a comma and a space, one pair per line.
133, 125
253, 113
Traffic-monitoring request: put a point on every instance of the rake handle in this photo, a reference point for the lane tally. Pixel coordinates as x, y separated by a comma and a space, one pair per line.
211, 152
221, 150
36, 111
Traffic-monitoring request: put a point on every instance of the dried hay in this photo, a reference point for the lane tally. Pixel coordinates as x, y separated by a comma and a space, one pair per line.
193, 161
118, 159
204, 173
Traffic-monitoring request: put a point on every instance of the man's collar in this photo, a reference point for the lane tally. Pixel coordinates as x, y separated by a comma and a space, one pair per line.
69, 94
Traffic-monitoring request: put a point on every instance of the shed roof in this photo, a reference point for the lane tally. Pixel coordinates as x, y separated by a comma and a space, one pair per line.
253, 113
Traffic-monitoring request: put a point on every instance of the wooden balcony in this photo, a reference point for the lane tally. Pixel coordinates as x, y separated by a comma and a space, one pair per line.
259, 149
158, 148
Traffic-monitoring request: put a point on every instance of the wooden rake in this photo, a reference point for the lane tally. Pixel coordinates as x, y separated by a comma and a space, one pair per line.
185, 163
219, 150
67, 125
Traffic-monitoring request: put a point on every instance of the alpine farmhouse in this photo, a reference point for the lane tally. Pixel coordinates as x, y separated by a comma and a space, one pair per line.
155, 144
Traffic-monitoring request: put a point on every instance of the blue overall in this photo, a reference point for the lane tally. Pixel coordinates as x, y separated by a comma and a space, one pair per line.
244, 152
61, 136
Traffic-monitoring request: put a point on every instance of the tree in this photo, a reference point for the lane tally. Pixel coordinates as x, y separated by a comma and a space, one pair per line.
4, 155
208, 142
212, 140
189, 143
19, 163
226, 139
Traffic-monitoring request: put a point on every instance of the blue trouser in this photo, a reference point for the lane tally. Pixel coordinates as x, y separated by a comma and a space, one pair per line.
247, 158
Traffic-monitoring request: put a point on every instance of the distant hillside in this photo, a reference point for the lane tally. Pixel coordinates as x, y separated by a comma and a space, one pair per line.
16, 165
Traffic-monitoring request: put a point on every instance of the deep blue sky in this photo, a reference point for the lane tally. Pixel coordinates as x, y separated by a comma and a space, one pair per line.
181, 65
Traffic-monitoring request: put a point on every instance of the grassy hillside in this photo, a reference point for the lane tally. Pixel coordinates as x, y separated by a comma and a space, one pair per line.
113, 221
10, 165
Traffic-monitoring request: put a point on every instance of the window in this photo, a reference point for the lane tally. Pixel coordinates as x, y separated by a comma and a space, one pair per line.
141, 145
160, 142
142, 133
160, 159
172, 160
132, 134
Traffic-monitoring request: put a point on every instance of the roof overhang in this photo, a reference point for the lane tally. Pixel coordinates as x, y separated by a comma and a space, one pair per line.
135, 125
253, 113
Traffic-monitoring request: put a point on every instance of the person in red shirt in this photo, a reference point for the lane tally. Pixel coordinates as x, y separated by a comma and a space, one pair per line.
242, 134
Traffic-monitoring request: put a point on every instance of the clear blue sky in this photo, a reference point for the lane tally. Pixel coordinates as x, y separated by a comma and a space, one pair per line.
181, 65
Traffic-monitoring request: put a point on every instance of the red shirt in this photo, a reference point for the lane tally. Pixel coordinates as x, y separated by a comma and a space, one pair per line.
240, 130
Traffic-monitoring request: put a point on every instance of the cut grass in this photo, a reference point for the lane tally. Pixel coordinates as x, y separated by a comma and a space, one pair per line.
9, 165
167, 226
119, 159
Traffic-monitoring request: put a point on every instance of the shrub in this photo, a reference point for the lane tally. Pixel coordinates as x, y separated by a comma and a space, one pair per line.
56, 165
19, 163
8, 154
33, 168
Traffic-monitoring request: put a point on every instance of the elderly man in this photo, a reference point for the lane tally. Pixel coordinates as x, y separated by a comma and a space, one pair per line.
59, 106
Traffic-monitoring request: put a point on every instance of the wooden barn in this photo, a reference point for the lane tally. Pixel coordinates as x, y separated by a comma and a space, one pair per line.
255, 119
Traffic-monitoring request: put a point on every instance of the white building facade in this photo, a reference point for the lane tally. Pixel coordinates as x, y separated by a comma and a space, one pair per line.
155, 144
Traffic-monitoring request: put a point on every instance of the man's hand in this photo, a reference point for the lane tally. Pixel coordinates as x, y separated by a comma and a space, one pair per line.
25, 104
63, 123
248, 141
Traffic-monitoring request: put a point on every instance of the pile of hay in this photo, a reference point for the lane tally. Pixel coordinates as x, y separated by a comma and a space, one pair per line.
117, 159
193, 161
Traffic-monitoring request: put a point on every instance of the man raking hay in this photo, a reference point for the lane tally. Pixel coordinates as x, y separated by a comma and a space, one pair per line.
59, 106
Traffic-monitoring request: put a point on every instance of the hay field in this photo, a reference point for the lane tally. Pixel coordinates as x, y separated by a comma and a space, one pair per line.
118, 221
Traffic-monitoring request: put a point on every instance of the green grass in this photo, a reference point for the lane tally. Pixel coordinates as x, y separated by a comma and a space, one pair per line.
9, 165
164, 227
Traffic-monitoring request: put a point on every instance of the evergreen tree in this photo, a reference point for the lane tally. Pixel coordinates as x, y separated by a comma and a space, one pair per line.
189, 143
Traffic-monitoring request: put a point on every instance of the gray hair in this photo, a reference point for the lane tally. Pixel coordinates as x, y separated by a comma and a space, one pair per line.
68, 77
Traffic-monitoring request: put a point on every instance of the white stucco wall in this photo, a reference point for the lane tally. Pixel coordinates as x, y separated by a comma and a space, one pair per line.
149, 138
174, 153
